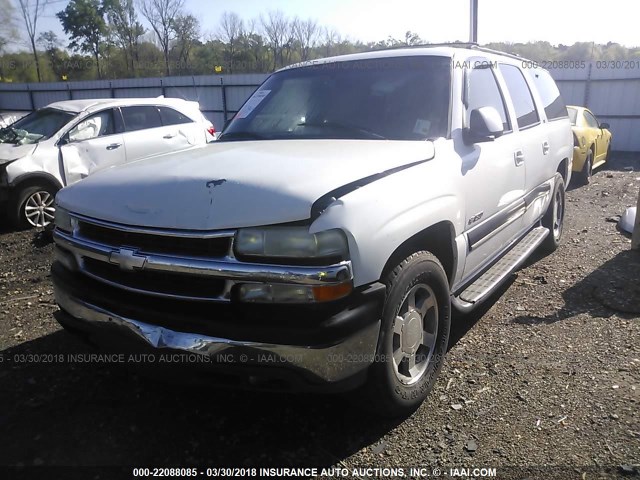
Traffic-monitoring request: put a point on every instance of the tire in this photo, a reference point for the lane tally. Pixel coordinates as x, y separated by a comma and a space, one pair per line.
554, 217
414, 336
34, 207
585, 174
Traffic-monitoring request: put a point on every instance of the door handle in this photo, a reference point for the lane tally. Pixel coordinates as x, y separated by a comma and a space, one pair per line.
169, 136
545, 148
113, 146
518, 157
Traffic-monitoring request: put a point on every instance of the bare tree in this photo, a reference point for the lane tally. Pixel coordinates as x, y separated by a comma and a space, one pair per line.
255, 43
231, 29
289, 40
275, 26
31, 10
331, 38
161, 15
187, 30
306, 34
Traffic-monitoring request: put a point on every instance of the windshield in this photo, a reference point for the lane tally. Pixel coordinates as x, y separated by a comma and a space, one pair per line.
401, 98
573, 115
36, 126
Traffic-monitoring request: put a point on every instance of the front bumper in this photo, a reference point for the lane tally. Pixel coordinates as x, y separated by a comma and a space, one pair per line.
344, 347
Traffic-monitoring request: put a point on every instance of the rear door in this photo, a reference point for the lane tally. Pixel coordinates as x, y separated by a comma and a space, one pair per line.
94, 143
187, 131
559, 139
152, 130
533, 138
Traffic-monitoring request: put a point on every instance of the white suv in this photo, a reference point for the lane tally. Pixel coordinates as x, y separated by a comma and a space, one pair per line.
67, 141
324, 239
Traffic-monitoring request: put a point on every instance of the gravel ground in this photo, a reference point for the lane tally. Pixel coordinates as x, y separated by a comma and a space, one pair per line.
544, 382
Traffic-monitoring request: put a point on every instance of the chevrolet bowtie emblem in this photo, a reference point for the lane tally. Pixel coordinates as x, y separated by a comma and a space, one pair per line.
127, 259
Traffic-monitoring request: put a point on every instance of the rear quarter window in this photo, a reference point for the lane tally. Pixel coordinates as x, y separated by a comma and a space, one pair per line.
554, 106
170, 116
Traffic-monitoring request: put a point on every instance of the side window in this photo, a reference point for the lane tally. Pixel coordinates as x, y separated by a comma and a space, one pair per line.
554, 106
526, 112
141, 117
96, 125
591, 120
172, 117
484, 92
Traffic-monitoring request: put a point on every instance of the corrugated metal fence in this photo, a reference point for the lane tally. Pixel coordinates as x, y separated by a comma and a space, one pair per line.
220, 96
610, 89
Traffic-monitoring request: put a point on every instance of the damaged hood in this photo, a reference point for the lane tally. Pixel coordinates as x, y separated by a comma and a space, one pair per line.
235, 184
10, 152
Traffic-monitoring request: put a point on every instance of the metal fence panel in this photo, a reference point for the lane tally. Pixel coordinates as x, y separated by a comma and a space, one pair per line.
613, 94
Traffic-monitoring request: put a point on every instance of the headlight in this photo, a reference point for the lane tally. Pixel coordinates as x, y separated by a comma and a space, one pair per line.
63, 220
292, 243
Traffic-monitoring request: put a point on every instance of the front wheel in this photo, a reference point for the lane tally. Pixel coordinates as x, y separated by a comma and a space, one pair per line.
34, 207
554, 217
413, 338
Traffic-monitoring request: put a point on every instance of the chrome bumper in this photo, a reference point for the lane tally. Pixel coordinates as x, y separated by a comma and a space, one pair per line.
331, 363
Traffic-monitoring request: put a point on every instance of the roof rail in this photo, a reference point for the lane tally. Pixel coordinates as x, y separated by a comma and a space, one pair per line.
469, 45
497, 52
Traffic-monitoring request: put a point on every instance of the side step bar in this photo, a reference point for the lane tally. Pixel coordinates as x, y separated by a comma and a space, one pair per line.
498, 273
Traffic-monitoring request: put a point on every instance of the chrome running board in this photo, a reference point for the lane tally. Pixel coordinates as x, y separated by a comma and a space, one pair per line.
490, 280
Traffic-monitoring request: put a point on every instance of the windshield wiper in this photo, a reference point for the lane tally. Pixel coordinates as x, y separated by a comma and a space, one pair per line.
241, 136
337, 125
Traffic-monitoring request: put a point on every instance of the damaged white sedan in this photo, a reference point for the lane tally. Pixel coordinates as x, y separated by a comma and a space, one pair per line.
64, 142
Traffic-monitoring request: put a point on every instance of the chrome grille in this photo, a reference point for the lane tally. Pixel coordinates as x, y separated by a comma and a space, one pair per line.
181, 245
115, 242
154, 282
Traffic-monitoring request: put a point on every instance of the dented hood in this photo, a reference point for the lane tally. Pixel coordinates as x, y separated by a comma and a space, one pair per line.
10, 152
235, 184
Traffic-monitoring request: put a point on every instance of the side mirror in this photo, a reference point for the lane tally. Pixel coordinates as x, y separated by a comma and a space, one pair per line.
63, 140
485, 125
604, 126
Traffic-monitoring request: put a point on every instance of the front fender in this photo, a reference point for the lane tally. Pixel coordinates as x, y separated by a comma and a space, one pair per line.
381, 216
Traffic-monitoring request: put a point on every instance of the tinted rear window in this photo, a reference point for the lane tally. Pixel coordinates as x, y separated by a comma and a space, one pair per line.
172, 117
141, 117
554, 106
526, 112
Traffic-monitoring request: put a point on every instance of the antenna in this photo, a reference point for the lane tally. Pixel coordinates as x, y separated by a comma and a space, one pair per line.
473, 21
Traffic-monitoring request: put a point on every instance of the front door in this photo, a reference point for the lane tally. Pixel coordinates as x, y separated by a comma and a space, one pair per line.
96, 142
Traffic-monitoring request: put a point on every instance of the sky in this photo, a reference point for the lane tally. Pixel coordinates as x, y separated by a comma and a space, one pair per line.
556, 21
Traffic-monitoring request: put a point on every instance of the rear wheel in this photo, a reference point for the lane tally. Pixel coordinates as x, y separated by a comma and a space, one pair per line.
554, 217
585, 175
413, 337
34, 207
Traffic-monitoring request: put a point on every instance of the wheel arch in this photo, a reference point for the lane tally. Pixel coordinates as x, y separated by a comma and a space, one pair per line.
439, 239
35, 179
564, 169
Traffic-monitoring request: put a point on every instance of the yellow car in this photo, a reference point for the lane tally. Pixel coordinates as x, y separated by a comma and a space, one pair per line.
591, 142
